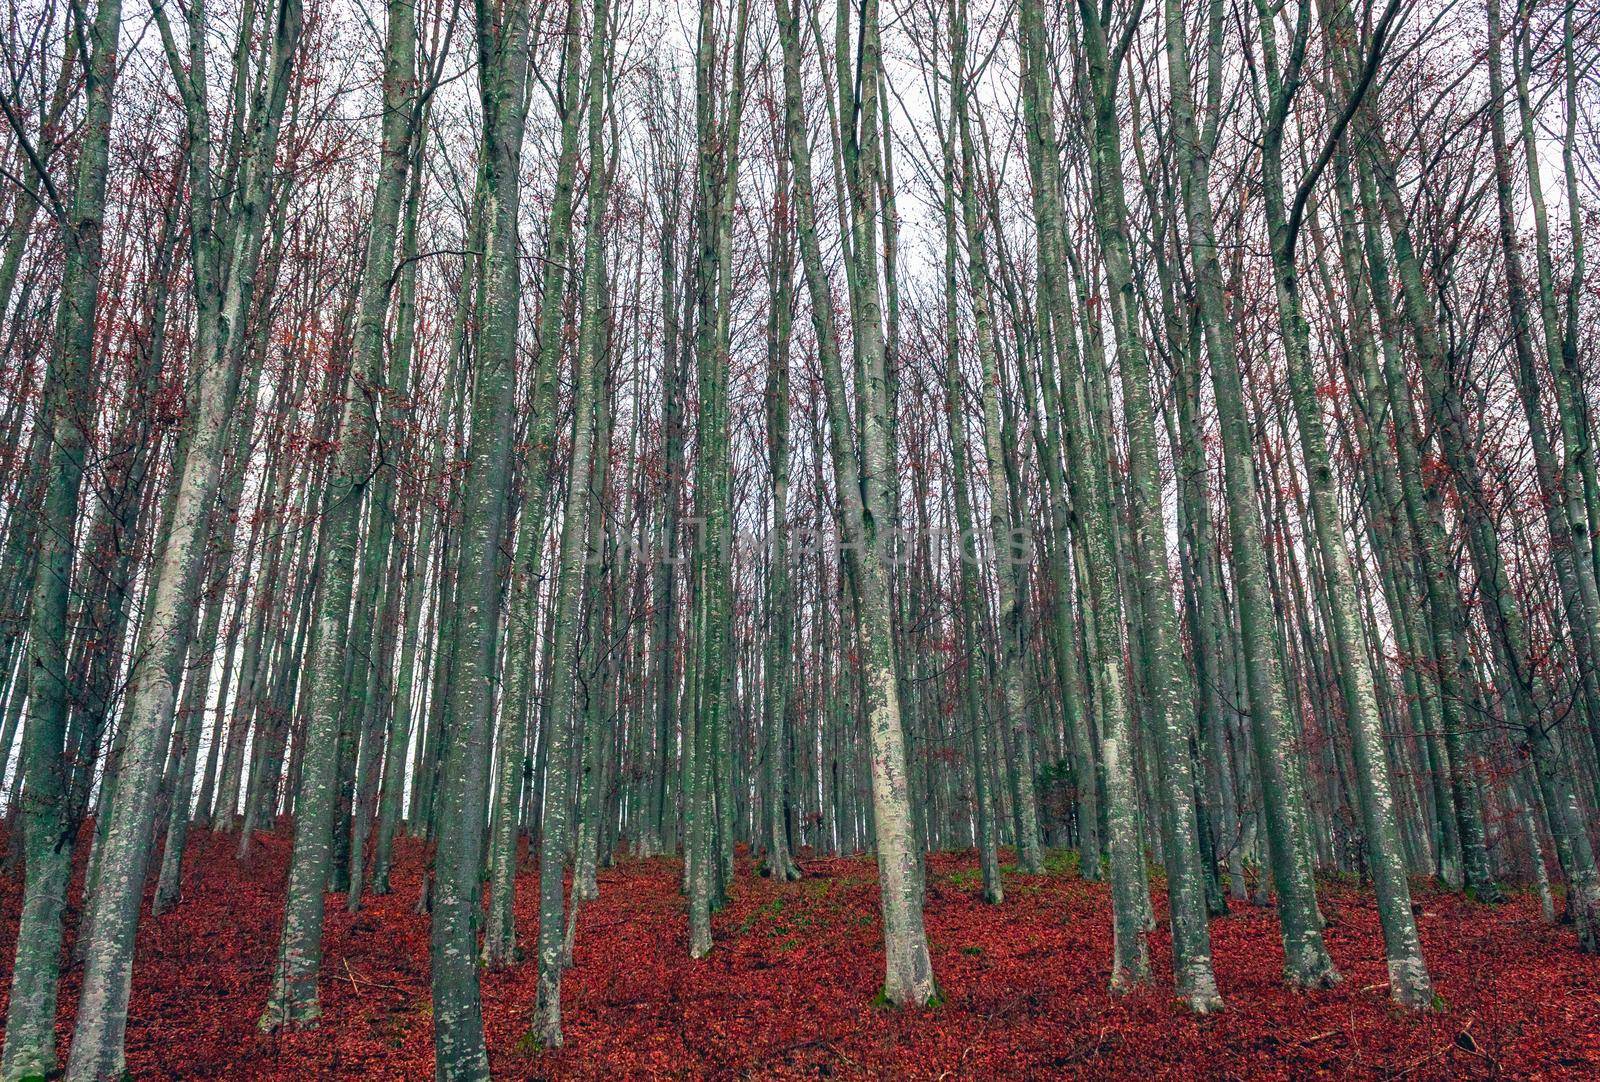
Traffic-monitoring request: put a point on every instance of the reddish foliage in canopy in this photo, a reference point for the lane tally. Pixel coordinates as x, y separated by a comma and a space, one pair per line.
789, 988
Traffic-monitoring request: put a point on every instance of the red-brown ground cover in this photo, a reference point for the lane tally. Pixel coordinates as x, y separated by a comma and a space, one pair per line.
790, 987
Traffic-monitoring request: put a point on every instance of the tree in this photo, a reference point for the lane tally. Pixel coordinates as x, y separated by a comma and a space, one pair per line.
31, 1013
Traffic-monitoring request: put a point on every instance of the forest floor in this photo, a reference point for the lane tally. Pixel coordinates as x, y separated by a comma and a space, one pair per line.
790, 988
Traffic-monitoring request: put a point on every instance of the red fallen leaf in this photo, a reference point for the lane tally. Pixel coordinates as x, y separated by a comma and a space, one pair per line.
788, 989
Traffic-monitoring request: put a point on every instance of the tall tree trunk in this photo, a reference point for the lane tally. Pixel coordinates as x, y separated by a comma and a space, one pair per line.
1171, 697
908, 969
1004, 544
97, 1042
1087, 486
1409, 984
503, 70
979, 743
30, 1047
500, 938
779, 697
556, 822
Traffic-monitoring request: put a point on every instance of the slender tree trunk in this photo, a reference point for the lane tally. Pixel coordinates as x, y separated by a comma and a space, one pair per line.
779, 698
1086, 484
1171, 697
908, 970
97, 1043
1004, 544
458, 1041
30, 1047
500, 939
1409, 984
556, 822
